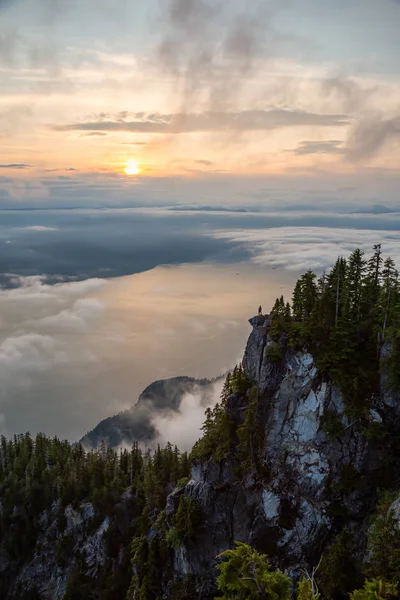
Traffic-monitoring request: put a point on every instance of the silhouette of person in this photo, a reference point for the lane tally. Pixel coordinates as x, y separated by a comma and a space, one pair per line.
260, 310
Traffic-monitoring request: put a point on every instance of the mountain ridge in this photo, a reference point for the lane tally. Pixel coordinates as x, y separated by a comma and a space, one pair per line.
161, 397
299, 460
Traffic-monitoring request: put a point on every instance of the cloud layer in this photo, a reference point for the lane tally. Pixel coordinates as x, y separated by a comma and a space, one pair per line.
72, 354
302, 248
183, 427
249, 120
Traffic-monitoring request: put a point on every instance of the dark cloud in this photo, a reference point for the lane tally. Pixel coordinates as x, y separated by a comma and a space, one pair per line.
211, 48
15, 166
93, 134
327, 147
351, 95
371, 132
369, 136
55, 170
4, 4
246, 120
206, 163
134, 143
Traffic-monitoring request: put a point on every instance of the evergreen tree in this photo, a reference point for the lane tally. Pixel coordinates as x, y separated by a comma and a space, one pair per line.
246, 575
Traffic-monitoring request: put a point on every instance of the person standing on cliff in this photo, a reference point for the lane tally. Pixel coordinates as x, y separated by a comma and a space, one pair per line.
259, 311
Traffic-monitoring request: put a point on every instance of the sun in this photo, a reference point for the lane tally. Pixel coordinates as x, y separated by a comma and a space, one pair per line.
132, 167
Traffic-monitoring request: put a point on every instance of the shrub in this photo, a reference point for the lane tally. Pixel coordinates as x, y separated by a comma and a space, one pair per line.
274, 353
338, 573
182, 482
305, 590
377, 589
184, 522
384, 541
331, 424
246, 575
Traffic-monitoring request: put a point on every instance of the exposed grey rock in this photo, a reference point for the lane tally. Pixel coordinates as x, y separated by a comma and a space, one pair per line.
44, 571
395, 510
288, 512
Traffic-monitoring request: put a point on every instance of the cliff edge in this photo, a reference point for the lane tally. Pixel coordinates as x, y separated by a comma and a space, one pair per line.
315, 470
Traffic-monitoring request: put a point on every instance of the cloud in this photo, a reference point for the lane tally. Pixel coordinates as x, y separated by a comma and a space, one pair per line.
134, 143
94, 134
246, 120
369, 136
302, 248
183, 427
15, 166
40, 347
206, 163
72, 354
327, 147
39, 228
57, 170
78, 318
212, 48
352, 96
5, 4
25, 354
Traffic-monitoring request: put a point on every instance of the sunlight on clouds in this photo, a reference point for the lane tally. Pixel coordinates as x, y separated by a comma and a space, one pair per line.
74, 353
302, 248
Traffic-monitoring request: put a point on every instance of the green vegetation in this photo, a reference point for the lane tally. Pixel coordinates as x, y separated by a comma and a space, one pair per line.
274, 352
377, 589
331, 424
245, 574
306, 591
184, 523
344, 318
218, 437
129, 488
250, 434
339, 573
383, 541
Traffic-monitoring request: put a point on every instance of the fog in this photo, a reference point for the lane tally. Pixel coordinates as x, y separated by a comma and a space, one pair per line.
74, 353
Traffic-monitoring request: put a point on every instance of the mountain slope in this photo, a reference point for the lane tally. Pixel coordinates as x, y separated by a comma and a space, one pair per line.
314, 471
136, 424
300, 459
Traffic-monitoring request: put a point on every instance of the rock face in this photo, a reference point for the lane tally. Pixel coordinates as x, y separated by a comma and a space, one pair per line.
51, 566
311, 454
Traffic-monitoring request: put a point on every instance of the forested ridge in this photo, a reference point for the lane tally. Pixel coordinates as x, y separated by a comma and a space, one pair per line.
40, 477
349, 320
345, 318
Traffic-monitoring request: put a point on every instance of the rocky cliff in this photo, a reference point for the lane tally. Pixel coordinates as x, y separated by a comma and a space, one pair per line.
318, 468
296, 467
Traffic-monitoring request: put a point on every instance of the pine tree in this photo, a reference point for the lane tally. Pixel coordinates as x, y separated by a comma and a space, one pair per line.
247, 575
304, 296
355, 278
389, 293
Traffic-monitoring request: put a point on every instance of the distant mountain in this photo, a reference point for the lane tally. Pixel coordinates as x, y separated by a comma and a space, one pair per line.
135, 424
376, 209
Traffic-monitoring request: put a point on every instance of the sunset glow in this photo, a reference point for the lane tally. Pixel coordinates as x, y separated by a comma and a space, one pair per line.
132, 167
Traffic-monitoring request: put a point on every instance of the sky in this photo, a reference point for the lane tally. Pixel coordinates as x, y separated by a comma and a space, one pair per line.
197, 90
153, 150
